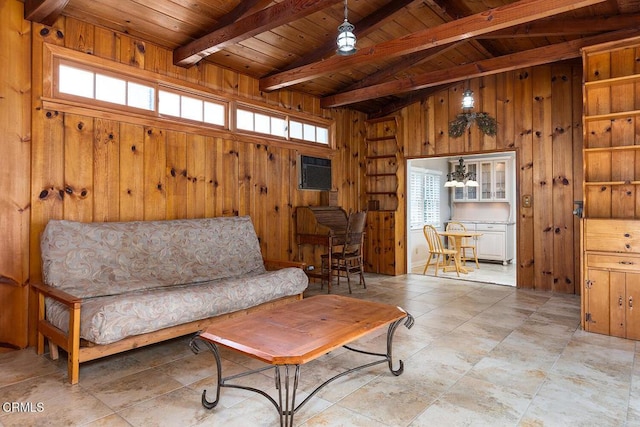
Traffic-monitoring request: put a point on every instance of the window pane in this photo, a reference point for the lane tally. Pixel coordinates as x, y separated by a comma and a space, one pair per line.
191, 108
214, 113
278, 127
262, 123
295, 129
244, 119
309, 132
75, 81
110, 89
140, 96
169, 103
322, 135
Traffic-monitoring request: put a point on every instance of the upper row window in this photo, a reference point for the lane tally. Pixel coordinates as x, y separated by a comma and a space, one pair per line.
163, 101
87, 84
261, 122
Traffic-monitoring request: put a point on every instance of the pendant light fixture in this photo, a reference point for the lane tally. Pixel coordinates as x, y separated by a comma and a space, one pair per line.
460, 177
346, 39
467, 99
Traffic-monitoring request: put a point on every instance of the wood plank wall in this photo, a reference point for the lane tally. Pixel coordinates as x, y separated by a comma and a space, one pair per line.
539, 114
87, 168
58, 165
15, 39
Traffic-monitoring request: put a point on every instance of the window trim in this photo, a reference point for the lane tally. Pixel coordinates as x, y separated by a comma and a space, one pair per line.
423, 172
52, 54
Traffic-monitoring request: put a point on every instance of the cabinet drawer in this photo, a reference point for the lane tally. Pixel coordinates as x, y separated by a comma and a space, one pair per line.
612, 235
491, 227
613, 262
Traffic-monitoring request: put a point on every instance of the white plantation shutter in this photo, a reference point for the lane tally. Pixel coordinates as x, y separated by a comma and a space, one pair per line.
425, 197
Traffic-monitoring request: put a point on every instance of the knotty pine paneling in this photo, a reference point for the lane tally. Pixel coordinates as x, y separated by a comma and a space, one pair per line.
93, 169
15, 140
539, 114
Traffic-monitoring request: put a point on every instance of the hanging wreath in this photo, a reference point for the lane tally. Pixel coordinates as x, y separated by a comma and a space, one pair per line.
462, 122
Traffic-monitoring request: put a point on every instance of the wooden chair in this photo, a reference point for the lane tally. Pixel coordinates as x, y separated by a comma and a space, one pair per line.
437, 250
349, 258
466, 242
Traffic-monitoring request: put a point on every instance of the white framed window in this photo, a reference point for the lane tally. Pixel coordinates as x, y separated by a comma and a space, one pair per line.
424, 196
86, 83
113, 88
270, 123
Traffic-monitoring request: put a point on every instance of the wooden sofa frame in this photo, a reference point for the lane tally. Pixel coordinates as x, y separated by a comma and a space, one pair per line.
79, 351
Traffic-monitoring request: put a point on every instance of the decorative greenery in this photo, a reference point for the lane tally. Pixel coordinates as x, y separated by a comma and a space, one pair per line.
462, 122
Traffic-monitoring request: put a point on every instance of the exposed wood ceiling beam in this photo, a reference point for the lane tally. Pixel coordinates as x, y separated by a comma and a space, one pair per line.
43, 11
259, 22
363, 27
448, 12
403, 64
501, 64
244, 8
417, 96
461, 29
566, 27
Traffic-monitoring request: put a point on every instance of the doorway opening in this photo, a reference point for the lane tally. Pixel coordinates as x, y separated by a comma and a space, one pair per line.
489, 209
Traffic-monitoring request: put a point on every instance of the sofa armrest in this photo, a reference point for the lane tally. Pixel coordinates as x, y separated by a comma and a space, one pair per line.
270, 264
57, 294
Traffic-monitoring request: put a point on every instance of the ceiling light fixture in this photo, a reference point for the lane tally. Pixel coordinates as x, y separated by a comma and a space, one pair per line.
460, 177
467, 99
346, 39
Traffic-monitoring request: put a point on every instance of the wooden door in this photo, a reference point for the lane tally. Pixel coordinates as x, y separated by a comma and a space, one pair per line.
597, 301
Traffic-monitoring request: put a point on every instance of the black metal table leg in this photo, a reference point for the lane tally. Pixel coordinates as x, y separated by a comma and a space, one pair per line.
287, 386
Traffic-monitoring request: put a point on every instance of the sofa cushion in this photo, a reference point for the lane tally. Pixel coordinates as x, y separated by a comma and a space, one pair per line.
111, 258
104, 320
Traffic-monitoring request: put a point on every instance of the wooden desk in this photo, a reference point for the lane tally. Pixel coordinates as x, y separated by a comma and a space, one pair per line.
288, 336
457, 237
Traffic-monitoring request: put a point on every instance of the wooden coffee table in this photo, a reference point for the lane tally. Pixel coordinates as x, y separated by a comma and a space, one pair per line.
291, 335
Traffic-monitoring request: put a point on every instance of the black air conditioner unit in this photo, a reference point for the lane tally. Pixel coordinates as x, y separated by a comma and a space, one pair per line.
314, 173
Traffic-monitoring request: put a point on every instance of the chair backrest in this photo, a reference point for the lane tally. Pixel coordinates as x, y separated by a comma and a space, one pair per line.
456, 226
433, 239
355, 232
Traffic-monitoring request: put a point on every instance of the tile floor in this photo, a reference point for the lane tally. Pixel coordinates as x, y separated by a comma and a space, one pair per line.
478, 355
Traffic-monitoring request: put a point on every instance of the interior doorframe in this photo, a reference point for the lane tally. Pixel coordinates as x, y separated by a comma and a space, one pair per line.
449, 156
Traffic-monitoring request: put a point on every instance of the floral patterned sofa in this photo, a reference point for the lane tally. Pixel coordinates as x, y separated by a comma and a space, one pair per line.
121, 285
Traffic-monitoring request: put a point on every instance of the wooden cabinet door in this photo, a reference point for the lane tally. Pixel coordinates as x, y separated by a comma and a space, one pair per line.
618, 307
633, 306
597, 301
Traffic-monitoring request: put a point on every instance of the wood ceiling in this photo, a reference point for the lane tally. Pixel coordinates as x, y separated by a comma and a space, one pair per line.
405, 48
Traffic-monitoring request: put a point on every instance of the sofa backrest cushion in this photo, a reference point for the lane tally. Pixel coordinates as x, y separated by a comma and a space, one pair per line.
109, 258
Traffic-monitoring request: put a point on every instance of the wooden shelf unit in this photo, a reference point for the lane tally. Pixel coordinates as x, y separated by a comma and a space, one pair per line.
382, 162
384, 251
610, 235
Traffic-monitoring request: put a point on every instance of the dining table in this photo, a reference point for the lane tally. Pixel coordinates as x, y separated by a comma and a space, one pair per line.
457, 236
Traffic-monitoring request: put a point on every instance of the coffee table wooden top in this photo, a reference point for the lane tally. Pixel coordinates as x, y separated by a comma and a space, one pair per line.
296, 333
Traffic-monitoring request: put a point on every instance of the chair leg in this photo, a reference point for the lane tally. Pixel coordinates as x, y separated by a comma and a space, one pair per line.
428, 262
456, 259
475, 256
364, 284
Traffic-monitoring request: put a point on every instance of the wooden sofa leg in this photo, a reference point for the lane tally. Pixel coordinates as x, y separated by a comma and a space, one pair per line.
53, 351
73, 359
40, 344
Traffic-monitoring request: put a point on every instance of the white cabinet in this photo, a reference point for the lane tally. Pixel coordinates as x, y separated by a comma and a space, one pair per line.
493, 176
496, 242
493, 180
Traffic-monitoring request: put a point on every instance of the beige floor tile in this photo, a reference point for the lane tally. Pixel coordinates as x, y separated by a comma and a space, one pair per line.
478, 355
